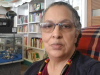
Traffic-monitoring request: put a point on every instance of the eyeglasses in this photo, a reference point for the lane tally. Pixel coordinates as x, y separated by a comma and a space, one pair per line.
49, 27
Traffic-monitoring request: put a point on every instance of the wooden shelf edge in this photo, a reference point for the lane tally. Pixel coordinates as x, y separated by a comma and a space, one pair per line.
36, 48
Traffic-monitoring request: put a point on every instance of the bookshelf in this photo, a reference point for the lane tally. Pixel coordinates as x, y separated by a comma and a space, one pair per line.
28, 20
22, 19
34, 22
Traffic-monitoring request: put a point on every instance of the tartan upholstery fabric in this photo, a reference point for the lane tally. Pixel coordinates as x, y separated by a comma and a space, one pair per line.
89, 43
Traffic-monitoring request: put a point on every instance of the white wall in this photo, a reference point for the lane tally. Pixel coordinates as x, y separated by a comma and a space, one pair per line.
82, 10
48, 2
15, 18
2, 10
84, 13
81, 4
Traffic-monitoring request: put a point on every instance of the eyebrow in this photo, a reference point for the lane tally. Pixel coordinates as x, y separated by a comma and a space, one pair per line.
65, 20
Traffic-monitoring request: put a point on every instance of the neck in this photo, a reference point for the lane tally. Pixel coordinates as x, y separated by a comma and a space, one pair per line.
54, 61
57, 64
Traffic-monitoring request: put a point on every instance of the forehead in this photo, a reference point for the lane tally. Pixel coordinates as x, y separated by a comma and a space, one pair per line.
58, 13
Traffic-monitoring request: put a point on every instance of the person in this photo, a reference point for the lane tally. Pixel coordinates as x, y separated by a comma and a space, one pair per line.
61, 28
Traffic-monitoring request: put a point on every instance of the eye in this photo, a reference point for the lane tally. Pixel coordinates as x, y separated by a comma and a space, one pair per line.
66, 25
46, 25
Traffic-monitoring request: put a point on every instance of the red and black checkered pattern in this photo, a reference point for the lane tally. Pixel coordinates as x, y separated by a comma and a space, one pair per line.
89, 43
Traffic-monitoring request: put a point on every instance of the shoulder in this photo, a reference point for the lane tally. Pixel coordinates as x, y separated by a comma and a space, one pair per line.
86, 61
88, 65
34, 68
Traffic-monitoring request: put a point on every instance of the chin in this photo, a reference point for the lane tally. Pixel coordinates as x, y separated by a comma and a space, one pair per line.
56, 54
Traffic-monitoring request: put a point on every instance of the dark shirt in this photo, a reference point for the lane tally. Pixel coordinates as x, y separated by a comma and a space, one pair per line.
81, 65
45, 72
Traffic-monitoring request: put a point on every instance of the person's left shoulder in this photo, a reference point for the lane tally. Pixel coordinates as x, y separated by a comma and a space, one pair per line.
85, 60
89, 65
94, 69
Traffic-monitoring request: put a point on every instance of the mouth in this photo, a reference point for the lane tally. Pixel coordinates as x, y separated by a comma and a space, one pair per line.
56, 46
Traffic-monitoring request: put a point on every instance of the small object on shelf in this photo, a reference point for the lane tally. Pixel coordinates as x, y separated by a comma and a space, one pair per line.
42, 5
36, 56
38, 6
1, 46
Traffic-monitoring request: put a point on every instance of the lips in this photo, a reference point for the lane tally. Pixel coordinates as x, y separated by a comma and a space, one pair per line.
56, 46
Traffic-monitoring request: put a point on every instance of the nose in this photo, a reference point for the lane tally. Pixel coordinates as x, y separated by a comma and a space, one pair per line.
57, 32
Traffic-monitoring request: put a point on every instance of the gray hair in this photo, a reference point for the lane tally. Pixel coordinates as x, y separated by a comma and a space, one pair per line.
74, 13
76, 17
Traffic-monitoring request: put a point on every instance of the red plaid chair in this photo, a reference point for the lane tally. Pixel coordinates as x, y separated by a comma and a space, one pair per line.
89, 43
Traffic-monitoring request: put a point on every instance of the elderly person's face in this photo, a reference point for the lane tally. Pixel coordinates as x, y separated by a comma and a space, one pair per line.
59, 42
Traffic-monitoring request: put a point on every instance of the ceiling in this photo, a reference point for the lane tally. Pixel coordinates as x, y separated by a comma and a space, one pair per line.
9, 0
12, 3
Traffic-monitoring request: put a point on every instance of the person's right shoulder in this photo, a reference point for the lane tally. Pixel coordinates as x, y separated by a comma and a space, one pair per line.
34, 68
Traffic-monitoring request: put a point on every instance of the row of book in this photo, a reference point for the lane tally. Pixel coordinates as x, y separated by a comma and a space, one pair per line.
34, 28
35, 17
22, 19
32, 55
37, 6
36, 42
22, 28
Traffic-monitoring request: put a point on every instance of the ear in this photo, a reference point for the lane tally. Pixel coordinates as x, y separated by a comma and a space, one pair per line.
76, 35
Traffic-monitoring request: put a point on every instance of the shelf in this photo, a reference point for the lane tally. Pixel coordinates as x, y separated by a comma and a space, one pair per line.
22, 24
34, 22
36, 48
1, 50
22, 32
24, 6
7, 30
28, 60
31, 60
34, 32
36, 11
18, 44
1, 42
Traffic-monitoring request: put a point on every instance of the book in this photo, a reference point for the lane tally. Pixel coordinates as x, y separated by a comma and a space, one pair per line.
35, 6
42, 5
